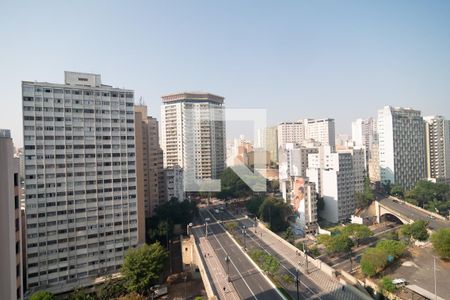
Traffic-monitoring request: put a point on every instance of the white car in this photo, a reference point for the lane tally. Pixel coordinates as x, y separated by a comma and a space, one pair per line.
207, 219
217, 211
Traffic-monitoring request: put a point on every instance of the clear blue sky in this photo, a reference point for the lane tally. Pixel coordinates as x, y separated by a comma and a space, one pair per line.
340, 59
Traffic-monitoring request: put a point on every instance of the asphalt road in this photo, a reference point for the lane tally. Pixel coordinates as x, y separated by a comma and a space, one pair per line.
307, 288
414, 214
247, 280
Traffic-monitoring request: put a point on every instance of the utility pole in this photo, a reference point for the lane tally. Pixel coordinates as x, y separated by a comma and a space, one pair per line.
435, 283
306, 255
227, 259
297, 279
244, 233
206, 229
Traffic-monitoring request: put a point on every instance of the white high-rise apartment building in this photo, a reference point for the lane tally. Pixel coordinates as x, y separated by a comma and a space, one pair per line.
364, 133
10, 221
193, 135
321, 130
290, 132
438, 148
81, 210
338, 176
318, 130
401, 134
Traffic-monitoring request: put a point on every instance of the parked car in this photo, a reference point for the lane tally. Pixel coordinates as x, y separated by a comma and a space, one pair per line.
159, 290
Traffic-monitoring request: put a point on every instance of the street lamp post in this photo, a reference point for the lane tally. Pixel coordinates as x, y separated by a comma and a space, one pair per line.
297, 279
227, 259
435, 283
185, 279
206, 229
244, 232
306, 256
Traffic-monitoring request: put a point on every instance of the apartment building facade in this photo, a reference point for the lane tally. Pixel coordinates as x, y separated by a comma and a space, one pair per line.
149, 161
80, 177
437, 138
402, 151
11, 264
193, 135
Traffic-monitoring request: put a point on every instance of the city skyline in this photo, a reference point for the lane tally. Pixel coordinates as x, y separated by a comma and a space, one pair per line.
317, 60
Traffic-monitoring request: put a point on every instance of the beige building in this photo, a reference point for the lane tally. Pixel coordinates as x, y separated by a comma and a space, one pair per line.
149, 162
10, 221
193, 136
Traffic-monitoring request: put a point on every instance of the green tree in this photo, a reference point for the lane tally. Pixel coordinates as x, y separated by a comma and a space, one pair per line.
270, 265
373, 260
357, 232
390, 247
397, 191
289, 235
417, 230
441, 242
111, 289
254, 204
324, 239
386, 284
340, 244
231, 226
426, 191
232, 186
80, 294
275, 212
142, 266
42, 295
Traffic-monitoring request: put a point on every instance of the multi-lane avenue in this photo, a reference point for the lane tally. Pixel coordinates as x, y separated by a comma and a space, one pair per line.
247, 280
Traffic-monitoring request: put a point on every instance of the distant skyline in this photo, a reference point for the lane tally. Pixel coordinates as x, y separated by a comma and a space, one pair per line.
298, 59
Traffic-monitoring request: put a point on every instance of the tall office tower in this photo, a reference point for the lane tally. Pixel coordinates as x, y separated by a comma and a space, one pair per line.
321, 130
364, 135
338, 177
149, 161
290, 132
438, 148
80, 177
293, 163
10, 221
401, 135
173, 183
193, 135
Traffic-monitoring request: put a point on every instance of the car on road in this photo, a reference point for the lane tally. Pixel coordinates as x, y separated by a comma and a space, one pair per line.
216, 211
159, 290
207, 219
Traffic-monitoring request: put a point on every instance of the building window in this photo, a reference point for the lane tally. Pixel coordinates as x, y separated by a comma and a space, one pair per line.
17, 224
17, 247
16, 179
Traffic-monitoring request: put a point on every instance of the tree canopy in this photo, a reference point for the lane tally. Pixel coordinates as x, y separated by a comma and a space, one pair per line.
441, 242
42, 295
142, 266
432, 196
275, 212
417, 230
357, 232
373, 261
391, 247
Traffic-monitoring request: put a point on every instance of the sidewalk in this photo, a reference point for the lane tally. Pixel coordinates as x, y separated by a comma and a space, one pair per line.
331, 287
218, 274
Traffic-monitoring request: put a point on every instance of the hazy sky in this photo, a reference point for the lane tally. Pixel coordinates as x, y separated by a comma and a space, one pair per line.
297, 59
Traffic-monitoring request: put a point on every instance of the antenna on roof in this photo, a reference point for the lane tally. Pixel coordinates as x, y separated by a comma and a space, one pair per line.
141, 101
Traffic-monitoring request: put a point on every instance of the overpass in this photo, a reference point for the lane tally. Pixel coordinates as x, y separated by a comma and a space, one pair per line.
408, 213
